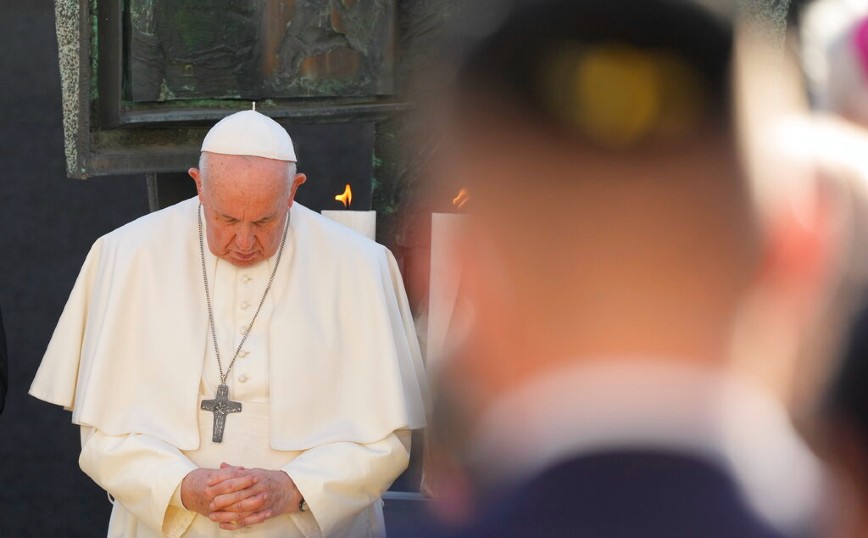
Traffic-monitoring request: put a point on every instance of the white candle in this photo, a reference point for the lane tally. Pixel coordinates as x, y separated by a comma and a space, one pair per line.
364, 222
445, 280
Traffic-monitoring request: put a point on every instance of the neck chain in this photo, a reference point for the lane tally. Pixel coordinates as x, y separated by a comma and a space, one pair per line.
221, 405
224, 376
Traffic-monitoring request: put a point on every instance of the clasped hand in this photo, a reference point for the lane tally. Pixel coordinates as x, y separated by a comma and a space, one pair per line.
237, 497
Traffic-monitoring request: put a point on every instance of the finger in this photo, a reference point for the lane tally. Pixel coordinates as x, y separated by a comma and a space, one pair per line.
233, 485
252, 519
253, 503
229, 518
226, 501
224, 473
225, 465
231, 526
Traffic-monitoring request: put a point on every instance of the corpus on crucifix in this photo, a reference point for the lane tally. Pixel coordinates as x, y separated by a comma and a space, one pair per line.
221, 406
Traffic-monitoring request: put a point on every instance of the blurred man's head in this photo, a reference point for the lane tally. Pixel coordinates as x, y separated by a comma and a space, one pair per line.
612, 214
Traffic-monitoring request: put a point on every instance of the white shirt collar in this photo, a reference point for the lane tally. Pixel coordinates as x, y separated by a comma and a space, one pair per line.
659, 405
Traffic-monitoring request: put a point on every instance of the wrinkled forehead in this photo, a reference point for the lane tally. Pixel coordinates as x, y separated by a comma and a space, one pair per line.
220, 167
241, 180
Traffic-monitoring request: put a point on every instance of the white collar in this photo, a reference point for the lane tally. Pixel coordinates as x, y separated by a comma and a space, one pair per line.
647, 404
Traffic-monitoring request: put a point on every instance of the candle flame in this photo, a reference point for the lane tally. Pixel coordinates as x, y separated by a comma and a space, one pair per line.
347, 197
461, 200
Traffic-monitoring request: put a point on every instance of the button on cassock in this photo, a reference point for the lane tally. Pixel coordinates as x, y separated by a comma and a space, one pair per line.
245, 279
245, 305
242, 378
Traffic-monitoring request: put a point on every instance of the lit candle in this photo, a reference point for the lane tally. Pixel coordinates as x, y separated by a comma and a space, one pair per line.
364, 222
445, 318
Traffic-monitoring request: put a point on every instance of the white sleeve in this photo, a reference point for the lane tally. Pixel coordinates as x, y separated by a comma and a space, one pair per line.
339, 480
142, 473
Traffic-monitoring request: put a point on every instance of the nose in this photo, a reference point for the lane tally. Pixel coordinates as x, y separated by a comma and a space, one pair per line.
244, 238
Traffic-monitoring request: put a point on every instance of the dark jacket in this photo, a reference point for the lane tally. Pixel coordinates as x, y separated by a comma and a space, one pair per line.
628, 494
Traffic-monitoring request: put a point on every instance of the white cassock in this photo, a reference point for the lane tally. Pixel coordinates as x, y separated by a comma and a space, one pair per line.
330, 378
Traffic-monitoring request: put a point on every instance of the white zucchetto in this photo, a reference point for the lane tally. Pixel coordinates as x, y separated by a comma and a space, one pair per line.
250, 133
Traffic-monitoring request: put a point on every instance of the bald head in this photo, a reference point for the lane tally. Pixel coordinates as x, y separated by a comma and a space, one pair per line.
245, 201
258, 170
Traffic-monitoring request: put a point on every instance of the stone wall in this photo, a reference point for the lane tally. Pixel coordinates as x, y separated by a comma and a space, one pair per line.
188, 49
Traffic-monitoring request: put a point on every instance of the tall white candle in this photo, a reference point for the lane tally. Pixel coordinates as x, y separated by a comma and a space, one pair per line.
364, 222
444, 283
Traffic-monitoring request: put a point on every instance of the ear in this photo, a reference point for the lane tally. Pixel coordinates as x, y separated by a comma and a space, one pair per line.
197, 178
297, 182
804, 243
778, 321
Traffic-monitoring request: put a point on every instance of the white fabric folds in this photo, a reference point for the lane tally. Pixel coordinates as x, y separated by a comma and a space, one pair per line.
127, 354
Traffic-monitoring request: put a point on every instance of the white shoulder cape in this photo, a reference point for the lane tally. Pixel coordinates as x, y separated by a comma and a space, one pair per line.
127, 354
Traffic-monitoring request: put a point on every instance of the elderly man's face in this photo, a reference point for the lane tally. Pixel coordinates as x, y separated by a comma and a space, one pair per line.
245, 201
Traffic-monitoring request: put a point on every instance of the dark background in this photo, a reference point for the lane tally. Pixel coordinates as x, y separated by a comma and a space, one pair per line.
48, 223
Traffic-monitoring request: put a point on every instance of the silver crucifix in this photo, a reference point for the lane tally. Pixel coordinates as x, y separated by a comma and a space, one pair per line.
221, 406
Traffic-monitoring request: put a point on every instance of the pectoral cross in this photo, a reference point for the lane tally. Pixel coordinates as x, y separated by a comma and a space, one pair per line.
221, 406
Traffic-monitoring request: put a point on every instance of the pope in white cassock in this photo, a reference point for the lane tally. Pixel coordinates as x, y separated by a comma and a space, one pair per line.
238, 363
